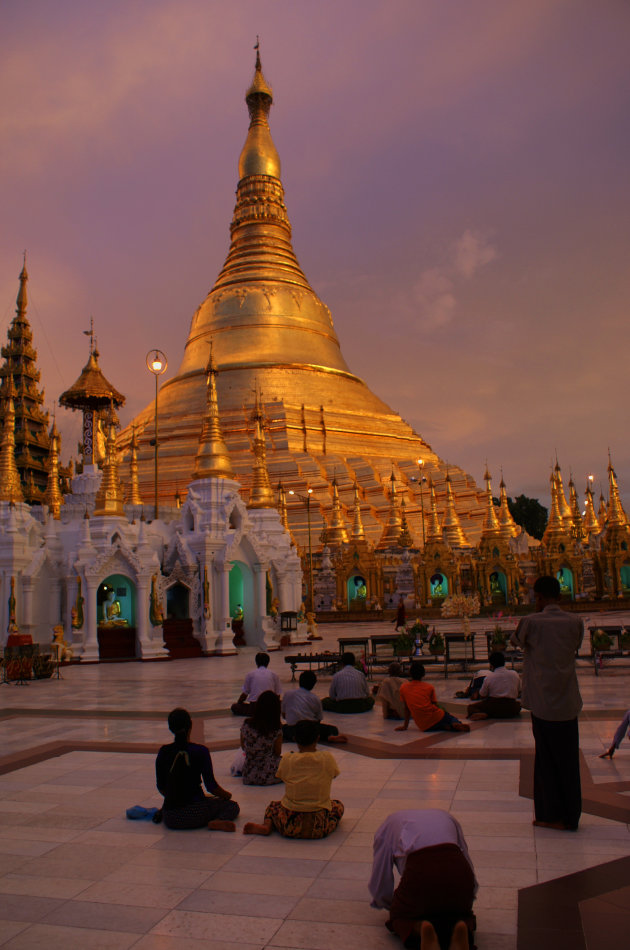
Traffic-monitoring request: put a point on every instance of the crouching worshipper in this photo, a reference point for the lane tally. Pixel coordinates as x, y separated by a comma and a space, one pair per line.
388, 693
349, 691
180, 769
499, 692
307, 810
421, 705
432, 906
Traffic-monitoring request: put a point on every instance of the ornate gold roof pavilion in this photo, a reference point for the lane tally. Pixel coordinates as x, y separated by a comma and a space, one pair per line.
271, 332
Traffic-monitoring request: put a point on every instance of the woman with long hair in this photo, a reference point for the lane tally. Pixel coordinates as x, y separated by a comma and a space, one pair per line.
180, 769
261, 741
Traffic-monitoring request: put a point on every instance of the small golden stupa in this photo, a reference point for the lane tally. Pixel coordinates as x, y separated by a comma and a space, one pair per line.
271, 332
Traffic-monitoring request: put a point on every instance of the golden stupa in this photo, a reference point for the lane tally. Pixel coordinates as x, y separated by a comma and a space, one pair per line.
271, 333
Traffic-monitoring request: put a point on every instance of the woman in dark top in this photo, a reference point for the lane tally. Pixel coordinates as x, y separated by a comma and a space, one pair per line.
261, 741
179, 770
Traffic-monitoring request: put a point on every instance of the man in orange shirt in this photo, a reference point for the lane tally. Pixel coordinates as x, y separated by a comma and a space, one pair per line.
421, 705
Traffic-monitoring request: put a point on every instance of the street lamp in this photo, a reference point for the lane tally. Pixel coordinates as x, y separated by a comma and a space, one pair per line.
306, 499
156, 364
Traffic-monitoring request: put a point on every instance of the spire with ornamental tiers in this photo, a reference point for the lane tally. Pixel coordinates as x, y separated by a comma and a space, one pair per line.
577, 525
213, 458
358, 532
452, 531
32, 445
261, 494
134, 490
434, 531
591, 524
391, 531
491, 527
556, 531
337, 533
616, 514
108, 499
10, 484
563, 505
53, 497
404, 538
509, 528
602, 512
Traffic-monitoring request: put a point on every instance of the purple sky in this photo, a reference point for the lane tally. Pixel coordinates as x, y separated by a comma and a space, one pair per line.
456, 174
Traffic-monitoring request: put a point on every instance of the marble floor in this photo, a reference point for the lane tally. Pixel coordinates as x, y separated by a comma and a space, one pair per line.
74, 872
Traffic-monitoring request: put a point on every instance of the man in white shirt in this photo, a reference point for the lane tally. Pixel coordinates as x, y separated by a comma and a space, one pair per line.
301, 703
349, 691
256, 682
550, 639
499, 692
437, 882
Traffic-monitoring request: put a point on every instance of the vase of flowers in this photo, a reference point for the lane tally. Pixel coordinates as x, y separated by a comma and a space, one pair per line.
600, 640
436, 643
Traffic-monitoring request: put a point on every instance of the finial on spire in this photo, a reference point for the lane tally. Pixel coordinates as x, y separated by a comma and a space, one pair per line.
257, 48
90, 333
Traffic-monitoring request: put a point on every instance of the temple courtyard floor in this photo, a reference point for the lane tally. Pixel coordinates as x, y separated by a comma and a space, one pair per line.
75, 873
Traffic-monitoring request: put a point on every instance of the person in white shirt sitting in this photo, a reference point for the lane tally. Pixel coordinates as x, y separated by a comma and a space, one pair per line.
499, 692
302, 703
256, 682
431, 907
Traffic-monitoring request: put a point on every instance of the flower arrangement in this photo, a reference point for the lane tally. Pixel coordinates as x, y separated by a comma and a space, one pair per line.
419, 630
461, 605
404, 643
600, 640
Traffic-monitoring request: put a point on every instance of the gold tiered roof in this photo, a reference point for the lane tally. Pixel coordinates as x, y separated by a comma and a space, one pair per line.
268, 325
10, 484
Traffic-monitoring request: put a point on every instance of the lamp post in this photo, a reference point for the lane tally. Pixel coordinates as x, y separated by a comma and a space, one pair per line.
306, 499
422, 480
156, 364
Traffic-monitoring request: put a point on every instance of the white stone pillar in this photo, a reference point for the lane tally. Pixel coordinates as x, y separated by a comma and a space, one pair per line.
27, 585
149, 640
90, 639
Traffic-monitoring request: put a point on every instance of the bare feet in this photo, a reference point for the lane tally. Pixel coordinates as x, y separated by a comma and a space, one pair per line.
429, 940
460, 727
555, 825
477, 717
221, 824
609, 754
339, 740
252, 828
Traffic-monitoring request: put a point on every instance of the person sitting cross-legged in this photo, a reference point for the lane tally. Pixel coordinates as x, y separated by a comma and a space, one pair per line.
431, 907
499, 692
349, 691
307, 810
302, 703
179, 770
256, 682
421, 705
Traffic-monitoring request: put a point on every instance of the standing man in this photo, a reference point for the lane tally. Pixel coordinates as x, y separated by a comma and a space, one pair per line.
550, 639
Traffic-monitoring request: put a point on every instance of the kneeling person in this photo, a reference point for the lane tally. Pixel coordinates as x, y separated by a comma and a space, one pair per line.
349, 691
437, 883
302, 703
307, 810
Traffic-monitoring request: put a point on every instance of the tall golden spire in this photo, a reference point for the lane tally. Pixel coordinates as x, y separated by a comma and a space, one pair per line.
616, 514
434, 531
108, 499
591, 524
563, 506
404, 538
506, 521
282, 507
391, 531
213, 459
261, 494
452, 531
556, 529
134, 491
52, 496
577, 525
21, 302
337, 533
10, 484
358, 532
491, 527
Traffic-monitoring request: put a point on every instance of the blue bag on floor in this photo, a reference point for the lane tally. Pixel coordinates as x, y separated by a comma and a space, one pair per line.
138, 813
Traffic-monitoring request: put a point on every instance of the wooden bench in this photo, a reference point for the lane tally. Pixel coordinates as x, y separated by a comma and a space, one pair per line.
459, 648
